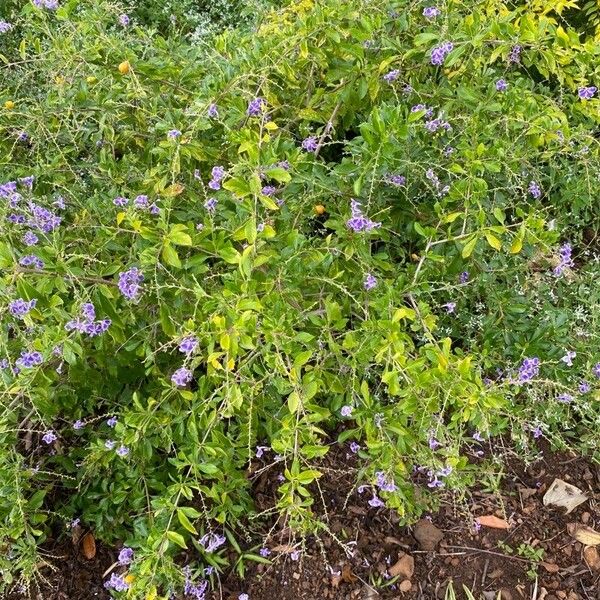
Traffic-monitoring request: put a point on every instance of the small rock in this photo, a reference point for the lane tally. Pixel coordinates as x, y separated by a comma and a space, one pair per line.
585, 518
405, 586
296, 576
404, 567
427, 534
505, 594
561, 594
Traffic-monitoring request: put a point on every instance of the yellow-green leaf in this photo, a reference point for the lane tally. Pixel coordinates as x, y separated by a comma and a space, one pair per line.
493, 241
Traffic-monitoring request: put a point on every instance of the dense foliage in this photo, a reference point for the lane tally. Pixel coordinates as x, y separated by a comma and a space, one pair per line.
347, 226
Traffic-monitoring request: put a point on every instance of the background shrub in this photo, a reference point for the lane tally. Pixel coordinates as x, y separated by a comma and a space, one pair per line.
305, 233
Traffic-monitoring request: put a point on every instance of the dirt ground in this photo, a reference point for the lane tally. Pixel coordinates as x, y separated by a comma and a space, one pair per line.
536, 558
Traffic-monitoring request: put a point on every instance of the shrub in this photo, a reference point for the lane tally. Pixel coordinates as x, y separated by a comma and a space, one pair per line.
261, 248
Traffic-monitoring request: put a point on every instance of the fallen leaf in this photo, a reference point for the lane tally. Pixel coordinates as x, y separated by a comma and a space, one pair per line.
527, 492
404, 567
561, 493
584, 534
285, 548
551, 567
347, 575
427, 534
88, 546
493, 521
405, 586
592, 558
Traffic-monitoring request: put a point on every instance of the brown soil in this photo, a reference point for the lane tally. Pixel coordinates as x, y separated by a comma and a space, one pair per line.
487, 562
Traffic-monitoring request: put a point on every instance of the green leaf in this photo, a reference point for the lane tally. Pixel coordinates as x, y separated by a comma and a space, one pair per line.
469, 247
279, 174
180, 238
293, 402
170, 256
176, 538
185, 522
493, 241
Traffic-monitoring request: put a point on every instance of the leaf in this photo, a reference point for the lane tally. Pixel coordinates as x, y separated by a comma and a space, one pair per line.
493, 522
584, 534
176, 538
180, 238
563, 494
493, 241
517, 245
293, 402
404, 567
469, 247
279, 174
185, 522
170, 256
88, 546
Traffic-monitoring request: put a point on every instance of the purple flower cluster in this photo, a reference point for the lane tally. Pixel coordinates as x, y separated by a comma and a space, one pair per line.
435, 180
397, 180
43, 219
463, 277
431, 12
391, 76
49, 4
418, 107
19, 308
383, 483
358, 222
181, 377
256, 107
565, 259
530, 368
439, 53
120, 201
346, 411
210, 205
125, 556
515, 54
596, 370
188, 344
5, 27
565, 398
211, 541
173, 134
124, 20
195, 590
434, 477
28, 360
584, 387
49, 437
213, 111
87, 323
535, 190
434, 124
130, 283
116, 583
217, 175
268, 190
310, 144
568, 358
501, 85
369, 282
587, 93
30, 239
31, 260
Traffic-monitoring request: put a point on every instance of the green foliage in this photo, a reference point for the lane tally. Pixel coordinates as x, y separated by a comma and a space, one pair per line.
271, 281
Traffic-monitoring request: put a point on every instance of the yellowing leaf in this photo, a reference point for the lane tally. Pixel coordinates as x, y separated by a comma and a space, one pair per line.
516, 246
493, 241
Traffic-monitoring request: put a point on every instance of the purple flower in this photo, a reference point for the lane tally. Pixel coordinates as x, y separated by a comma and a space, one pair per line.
28, 360
565, 259
501, 85
354, 447
431, 12
5, 27
109, 444
88, 311
295, 555
43, 219
130, 283
439, 53
120, 201
188, 344
122, 451
49, 437
565, 398
210, 205
346, 411
596, 370
584, 387
310, 144
141, 201
397, 180
391, 76
256, 107
535, 190
260, 450
154, 210
268, 190
450, 307
537, 432
369, 282
117, 583
243, 597
463, 277
530, 368
477, 437
30, 239
173, 134
587, 93
19, 308
515, 54
383, 483
112, 421
212, 111
125, 555
181, 377
8, 189
31, 260
27, 181
124, 20
23, 136
358, 222
568, 358
211, 541
78, 425
376, 502
264, 552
